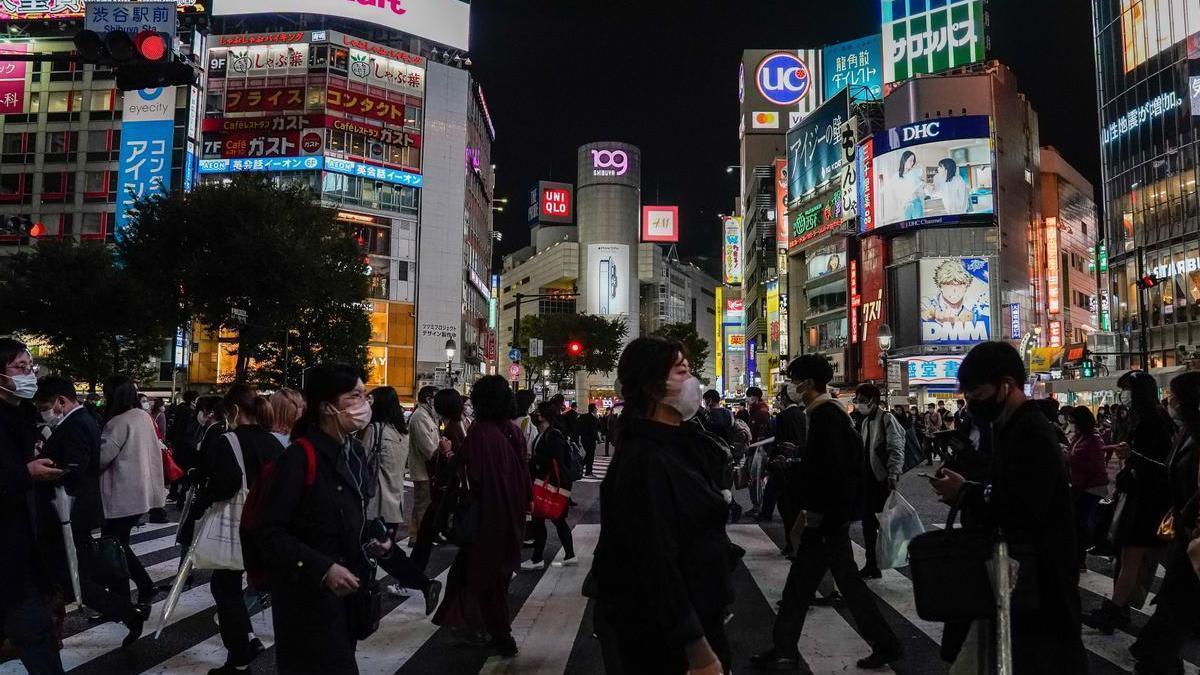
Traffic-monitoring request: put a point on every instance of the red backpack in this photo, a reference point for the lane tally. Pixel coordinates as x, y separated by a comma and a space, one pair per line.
256, 570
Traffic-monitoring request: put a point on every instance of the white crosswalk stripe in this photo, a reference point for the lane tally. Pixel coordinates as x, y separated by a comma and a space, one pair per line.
546, 623
599, 467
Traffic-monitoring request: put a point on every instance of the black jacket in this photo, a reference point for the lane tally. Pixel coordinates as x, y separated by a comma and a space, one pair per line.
791, 426
76, 441
181, 436
587, 426
830, 477
19, 557
550, 446
663, 561
223, 476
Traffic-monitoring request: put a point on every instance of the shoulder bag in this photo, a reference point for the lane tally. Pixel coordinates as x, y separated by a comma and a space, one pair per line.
467, 516
218, 544
550, 498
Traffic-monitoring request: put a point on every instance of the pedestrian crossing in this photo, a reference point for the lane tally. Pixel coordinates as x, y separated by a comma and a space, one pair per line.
599, 467
551, 623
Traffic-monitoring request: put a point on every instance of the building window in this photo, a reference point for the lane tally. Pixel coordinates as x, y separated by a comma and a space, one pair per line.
59, 142
14, 143
95, 183
92, 224
97, 141
12, 186
101, 100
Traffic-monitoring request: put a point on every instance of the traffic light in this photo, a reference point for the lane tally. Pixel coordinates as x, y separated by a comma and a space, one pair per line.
1087, 368
574, 349
143, 61
1148, 281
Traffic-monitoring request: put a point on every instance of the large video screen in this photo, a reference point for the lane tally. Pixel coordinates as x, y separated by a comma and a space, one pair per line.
933, 172
1148, 27
955, 300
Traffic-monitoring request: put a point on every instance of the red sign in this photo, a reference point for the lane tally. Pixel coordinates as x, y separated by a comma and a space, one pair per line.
391, 136
252, 144
660, 224
271, 123
266, 99
364, 105
380, 50
872, 259
781, 217
312, 142
855, 301
1056, 333
1053, 284
514, 371
556, 204
12, 80
866, 205
262, 39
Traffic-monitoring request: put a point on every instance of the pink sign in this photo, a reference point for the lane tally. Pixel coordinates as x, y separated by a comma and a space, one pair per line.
12, 96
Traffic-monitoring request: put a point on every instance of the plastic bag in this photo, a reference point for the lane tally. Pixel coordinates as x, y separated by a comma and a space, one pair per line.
898, 524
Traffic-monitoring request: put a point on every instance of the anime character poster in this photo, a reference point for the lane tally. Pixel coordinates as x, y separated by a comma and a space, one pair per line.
955, 300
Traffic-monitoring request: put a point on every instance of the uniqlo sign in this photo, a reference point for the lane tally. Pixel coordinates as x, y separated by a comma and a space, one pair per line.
555, 202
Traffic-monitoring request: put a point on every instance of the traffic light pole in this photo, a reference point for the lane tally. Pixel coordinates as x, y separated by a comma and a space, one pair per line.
1143, 337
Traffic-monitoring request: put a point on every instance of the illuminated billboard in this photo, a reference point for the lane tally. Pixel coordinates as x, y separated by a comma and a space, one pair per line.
935, 371
955, 300
553, 203
855, 66
61, 9
660, 224
776, 87
608, 279
1148, 27
814, 148
816, 220
934, 172
443, 21
732, 245
921, 37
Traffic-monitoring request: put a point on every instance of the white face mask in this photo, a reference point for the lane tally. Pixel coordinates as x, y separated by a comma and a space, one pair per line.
201, 417
687, 400
51, 418
23, 386
1125, 397
146, 405
863, 409
795, 392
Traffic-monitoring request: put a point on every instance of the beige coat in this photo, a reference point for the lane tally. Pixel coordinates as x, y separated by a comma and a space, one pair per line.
131, 469
423, 442
387, 502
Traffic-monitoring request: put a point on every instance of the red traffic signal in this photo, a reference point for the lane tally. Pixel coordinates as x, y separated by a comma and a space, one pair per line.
1148, 281
574, 349
151, 45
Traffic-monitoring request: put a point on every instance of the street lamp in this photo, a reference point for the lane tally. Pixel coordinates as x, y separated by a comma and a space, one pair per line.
885, 345
451, 347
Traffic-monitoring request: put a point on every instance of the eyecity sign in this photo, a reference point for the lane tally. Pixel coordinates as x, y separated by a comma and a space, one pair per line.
783, 78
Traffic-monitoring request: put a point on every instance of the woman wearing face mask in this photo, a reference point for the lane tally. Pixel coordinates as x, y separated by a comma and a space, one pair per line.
1142, 485
1175, 618
1088, 471
310, 537
662, 569
549, 458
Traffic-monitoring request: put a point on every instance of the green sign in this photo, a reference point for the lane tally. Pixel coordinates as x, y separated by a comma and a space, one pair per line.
918, 40
817, 219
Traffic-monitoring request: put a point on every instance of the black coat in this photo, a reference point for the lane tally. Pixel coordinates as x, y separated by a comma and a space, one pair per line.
302, 533
550, 446
19, 556
1144, 480
223, 475
587, 426
76, 441
663, 560
830, 477
1030, 501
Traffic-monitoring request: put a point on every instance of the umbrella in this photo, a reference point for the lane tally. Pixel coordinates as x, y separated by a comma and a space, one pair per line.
185, 568
188, 500
62, 505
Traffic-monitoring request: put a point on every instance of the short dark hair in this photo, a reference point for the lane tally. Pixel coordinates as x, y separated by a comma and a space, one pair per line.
547, 411
426, 393
1085, 422
643, 370
988, 363
449, 404
525, 399
493, 399
754, 391
868, 391
190, 395
1048, 407
51, 387
323, 383
591, 407
711, 396
10, 349
811, 367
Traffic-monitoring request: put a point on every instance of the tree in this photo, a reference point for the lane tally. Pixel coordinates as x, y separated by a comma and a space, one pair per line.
602, 340
96, 318
696, 346
270, 250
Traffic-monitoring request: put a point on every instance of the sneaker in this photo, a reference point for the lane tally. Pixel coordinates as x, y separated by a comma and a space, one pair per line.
506, 646
432, 594
773, 660
229, 669
531, 566
870, 573
880, 658
567, 562
396, 591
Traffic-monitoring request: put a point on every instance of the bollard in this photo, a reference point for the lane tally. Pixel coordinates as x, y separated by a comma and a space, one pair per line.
1003, 589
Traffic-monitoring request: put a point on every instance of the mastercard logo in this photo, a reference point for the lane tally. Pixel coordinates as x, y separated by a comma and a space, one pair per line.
766, 120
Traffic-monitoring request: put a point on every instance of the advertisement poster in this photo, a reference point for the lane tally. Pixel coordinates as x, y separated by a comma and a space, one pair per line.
660, 224
147, 127
554, 202
777, 87
932, 173
443, 21
608, 279
781, 216
364, 105
933, 371
1150, 26
855, 66
814, 148
955, 300
732, 245
920, 37
12, 79
824, 261
265, 99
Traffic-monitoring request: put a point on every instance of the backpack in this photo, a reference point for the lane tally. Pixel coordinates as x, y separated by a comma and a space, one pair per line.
572, 468
914, 454
256, 568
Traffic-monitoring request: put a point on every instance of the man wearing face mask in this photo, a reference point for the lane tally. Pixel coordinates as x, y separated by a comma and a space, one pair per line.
1027, 497
423, 440
883, 440
829, 492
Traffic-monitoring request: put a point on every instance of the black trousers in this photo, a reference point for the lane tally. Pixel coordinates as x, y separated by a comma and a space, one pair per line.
1175, 621
28, 625
819, 551
876, 496
589, 455
112, 603
403, 570
120, 528
232, 616
564, 537
770, 495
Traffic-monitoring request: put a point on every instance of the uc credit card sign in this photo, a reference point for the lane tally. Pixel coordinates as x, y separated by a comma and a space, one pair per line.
147, 127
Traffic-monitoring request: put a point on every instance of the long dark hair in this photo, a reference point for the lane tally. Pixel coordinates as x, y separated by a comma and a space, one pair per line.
493, 400
1143, 394
386, 409
120, 396
908, 154
323, 384
249, 403
1185, 388
643, 370
448, 404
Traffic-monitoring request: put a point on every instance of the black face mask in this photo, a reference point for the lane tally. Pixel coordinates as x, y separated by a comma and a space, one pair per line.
991, 409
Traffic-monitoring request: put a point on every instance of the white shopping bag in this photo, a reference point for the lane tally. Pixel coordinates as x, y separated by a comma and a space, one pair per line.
218, 544
898, 524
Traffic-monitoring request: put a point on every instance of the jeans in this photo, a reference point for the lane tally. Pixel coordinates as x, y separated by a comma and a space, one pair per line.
818, 551
564, 538
120, 528
233, 619
28, 625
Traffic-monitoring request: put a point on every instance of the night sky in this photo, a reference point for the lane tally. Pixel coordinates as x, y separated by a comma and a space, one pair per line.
663, 76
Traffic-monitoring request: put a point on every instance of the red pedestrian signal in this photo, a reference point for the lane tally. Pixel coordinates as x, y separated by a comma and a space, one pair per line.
151, 45
574, 349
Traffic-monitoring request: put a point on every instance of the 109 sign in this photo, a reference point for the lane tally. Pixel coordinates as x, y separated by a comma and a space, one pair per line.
783, 78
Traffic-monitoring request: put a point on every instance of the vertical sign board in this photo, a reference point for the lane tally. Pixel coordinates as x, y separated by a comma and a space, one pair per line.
733, 250
855, 301
147, 128
1014, 321
1053, 282
849, 178
921, 37
781, 216
1056, 333
12, 79
718, 330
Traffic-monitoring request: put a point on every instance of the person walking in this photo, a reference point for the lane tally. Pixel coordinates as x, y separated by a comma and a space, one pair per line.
24, 613
490, 545
525, 399
286, 407
1142, 485
1026, 497
783, 480
883, 443
386, 443
424, 441
549, 458
75, 442
661, 577
1088, 470
830, 494
237, 458
1175, 619
587, 426
131, 473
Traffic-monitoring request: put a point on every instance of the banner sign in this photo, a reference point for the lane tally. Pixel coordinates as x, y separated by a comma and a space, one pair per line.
147, 132
264, 99
365, 105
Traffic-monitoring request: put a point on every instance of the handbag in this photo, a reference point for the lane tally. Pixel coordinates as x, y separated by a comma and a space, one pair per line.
1102, 522
109, 564
171, 470
364, 608
218, 541
467, 516
550, 499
